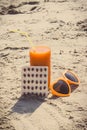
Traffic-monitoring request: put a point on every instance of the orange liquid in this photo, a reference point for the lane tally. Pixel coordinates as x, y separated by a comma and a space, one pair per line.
40, 56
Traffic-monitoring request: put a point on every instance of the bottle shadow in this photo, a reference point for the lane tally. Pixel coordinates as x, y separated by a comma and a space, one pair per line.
27, 104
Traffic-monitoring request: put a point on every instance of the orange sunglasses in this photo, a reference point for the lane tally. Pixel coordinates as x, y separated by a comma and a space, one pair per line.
63, 86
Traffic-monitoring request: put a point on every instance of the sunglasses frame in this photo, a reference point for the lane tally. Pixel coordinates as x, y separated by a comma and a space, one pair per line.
67, 81
57, 93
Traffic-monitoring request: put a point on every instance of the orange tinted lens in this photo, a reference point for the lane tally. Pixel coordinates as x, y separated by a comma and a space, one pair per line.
71, 77
61, 87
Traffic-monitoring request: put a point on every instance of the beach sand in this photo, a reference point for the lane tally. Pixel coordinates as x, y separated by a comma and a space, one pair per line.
62, 26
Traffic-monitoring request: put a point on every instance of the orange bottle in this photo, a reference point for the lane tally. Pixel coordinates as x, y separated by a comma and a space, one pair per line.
40, 56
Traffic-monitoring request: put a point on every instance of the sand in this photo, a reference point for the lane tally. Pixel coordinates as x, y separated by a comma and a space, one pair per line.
61, 25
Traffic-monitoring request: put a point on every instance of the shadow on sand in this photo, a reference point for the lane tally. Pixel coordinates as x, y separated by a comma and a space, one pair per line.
27, 104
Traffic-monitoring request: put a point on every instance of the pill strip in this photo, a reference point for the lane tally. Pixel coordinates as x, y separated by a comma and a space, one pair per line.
35, 80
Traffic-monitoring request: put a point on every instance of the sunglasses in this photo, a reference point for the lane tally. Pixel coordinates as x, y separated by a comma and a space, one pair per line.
63, 86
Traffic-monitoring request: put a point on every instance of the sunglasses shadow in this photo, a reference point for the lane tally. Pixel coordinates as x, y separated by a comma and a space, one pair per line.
27, 104
73, 87
51, 96
54, 97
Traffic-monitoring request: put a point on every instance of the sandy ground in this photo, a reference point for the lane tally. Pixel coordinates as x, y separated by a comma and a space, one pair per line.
61, 25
